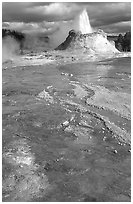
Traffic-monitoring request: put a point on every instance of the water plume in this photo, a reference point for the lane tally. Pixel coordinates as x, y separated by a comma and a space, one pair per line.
83, 23
80, 23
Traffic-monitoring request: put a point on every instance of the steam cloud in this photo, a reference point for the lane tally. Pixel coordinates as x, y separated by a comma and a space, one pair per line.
10, 49
36, 42
80, 23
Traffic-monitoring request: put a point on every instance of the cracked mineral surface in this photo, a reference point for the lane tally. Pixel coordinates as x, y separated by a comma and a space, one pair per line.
66, 129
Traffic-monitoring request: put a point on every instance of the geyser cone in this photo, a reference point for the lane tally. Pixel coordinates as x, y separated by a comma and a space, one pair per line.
83, 23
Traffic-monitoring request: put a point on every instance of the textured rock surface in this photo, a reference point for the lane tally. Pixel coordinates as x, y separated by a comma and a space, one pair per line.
96, 41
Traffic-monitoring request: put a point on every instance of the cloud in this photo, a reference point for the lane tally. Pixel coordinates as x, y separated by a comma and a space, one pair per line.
55, 9
45, 16
34, 28
29, 12
5, 25
109, 13
120, 27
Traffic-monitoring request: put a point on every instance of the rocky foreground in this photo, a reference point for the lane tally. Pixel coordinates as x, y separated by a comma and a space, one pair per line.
66, 127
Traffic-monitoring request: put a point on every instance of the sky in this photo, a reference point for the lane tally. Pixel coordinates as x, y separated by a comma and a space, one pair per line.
47, 17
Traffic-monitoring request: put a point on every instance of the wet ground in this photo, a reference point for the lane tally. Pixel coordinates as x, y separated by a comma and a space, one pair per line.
66, 132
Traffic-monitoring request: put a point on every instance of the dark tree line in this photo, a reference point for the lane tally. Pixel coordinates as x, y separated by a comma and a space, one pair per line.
123, 43
18, 36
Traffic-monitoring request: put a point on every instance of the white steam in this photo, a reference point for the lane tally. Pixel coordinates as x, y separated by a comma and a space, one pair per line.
35, 42
61, 34
10, 49
80, 23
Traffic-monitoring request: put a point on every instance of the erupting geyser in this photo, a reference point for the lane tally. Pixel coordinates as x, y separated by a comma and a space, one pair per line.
82, 36
83, 22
